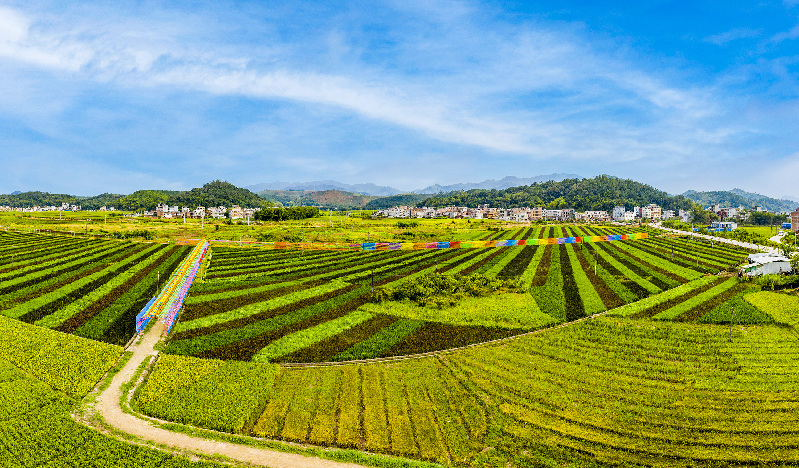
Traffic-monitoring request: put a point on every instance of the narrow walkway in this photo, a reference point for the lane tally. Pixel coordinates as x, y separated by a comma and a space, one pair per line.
108, 407
720, 239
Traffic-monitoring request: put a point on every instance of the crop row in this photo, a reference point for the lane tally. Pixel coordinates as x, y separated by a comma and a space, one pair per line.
86, 287
236, 313
606, 391
43, 375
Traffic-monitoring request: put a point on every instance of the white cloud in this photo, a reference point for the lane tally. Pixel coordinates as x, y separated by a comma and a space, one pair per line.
528, 90
793, 33
732, 35
13, 25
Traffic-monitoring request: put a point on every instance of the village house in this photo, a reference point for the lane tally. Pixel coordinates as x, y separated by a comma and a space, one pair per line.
236, 212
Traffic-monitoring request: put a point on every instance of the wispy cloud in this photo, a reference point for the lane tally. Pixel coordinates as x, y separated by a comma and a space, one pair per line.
441, 79
793, 33
732, 35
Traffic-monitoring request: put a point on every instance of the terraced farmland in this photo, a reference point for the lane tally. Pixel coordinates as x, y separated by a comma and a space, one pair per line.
611, 390
655, 382
91, 288
312, 305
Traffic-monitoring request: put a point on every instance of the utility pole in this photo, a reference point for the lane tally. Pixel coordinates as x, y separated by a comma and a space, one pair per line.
732, 315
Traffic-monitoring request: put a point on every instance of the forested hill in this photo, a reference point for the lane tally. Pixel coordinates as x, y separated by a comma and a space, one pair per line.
736, 197
29, 199
598, 193
218, 193
214, 193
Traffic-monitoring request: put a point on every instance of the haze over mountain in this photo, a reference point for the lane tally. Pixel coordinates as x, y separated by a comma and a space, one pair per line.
385, 191
501, 184
323, 185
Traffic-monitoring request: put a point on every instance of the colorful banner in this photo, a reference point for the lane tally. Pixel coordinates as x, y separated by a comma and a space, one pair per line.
369, 246
169, 301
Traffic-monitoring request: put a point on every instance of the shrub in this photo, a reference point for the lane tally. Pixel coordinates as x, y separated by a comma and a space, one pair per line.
444, 290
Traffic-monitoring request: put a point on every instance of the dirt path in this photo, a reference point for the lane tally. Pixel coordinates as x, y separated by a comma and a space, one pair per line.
108, 406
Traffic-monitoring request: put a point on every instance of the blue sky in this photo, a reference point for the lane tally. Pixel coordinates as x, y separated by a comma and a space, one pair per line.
120, 96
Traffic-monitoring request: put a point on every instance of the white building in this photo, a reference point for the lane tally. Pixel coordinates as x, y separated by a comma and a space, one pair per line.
724, 225
618, 213
766, 264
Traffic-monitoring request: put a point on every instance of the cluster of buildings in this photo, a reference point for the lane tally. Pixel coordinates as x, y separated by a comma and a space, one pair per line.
524, 215
169, 212
62, 207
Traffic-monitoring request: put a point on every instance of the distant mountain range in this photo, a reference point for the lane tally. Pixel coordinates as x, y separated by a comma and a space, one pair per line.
494, 184
737, 197
385, 191
596, 193
324, 185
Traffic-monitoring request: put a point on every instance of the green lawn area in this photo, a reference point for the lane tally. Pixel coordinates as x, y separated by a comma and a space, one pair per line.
762, 230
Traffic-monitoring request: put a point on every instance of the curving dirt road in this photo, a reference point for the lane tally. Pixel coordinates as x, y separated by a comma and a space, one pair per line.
108, 406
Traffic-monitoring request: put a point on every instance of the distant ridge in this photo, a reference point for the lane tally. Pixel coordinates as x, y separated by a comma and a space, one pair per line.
386, 191
737, 197
333, 199
494, 184
325, 185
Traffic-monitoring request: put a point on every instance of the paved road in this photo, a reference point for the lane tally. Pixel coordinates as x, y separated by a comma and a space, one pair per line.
778, 237
721, 239
108, 406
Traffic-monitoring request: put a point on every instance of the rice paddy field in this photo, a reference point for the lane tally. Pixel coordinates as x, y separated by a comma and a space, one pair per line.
664, 358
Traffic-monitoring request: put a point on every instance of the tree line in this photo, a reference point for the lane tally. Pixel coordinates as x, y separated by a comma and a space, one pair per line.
284, 214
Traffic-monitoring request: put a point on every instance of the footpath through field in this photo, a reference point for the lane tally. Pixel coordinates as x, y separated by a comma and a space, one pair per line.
108, 402
108, 406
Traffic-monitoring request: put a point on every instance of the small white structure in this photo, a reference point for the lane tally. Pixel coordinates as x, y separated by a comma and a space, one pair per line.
723, 225
766, 264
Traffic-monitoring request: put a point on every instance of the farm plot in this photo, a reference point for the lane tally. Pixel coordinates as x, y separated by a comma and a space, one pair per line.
313, 305
86, 287
43, 374
602, 392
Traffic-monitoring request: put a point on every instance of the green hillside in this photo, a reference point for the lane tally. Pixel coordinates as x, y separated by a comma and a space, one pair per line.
218, 193
598, 193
